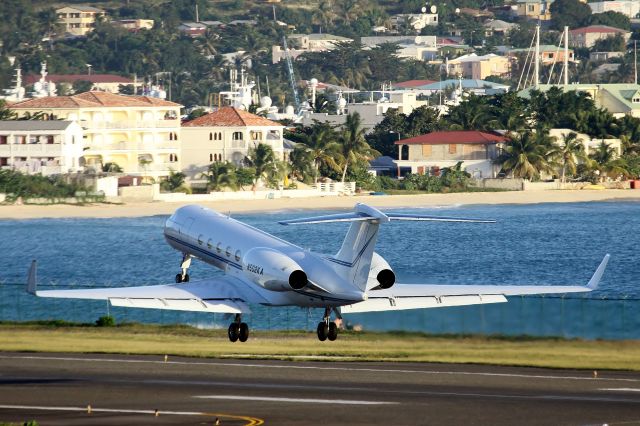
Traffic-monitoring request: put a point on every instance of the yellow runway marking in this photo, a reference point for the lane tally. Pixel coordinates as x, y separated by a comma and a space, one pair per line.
252, 421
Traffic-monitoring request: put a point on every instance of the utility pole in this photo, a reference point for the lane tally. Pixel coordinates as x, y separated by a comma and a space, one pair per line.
635, 61
197, 14
536, 75
566, 56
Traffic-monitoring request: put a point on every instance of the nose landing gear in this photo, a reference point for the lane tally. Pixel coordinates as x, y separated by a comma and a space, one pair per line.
238, 330
184, 266
327, 329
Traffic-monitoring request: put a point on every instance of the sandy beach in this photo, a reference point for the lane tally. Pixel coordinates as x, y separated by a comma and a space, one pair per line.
320, 203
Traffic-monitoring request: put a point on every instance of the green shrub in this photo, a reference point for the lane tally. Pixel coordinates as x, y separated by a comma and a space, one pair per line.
106, 321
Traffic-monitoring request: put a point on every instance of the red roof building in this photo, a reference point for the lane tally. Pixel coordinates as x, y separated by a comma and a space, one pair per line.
588, 36
427, 154
227, 134
230, 117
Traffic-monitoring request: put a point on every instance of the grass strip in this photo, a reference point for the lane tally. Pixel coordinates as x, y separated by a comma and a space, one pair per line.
300, 345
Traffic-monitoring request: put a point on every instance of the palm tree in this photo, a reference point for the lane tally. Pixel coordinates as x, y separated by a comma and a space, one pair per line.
220, 175
301, 163
324, 151
354, 145
263, 159
524, 157
571, 151
6, 113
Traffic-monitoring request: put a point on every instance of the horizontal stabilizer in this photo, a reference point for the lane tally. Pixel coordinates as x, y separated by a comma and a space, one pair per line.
362, 212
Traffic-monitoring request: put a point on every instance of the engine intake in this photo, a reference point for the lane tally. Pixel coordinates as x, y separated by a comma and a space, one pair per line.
298, 279
386, 278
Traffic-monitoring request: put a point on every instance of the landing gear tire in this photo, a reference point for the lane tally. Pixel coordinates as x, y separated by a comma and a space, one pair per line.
178, 278
185, 279
234, 332
182, 279
243, 333
323, 331
332, 333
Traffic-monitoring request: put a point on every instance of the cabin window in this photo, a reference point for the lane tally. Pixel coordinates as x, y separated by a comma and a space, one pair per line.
238, 253
219, 248
228, 252
209, 245
200, 239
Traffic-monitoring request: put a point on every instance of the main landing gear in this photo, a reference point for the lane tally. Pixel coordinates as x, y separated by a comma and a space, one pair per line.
327, 329
238, 330
184, 266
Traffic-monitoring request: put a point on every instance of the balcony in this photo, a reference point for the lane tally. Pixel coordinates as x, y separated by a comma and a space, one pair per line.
130, 124
31, 149
172, 146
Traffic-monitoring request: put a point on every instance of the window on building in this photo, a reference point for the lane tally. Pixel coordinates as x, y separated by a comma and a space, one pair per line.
219, 136
453, 148
237, 136
210, 157
3, 139
426, 151
256, 136
210, 136
636, 100
531, 8
50, 139
4, 161
171, 136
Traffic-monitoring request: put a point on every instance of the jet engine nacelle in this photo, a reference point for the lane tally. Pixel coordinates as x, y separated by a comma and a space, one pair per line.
380, 274
273, 270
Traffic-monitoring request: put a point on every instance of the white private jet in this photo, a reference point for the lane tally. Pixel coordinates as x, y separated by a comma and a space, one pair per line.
263, 269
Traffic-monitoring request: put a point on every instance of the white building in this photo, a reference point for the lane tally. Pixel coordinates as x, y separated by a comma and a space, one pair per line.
631, 8
302, 43
36, 146
226, 135
140, 134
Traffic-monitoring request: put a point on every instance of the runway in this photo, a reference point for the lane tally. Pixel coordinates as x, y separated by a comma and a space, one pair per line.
56, 389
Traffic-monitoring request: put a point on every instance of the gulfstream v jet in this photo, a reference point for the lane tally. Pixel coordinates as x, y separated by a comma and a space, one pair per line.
263, 269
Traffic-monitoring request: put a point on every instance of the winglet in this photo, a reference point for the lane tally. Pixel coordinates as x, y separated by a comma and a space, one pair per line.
31, 281
597, 276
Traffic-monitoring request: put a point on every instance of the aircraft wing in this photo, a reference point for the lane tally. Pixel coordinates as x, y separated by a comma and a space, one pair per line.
223, 294
420, 296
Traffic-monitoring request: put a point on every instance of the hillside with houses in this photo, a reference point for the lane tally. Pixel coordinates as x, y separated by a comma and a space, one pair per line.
207, 96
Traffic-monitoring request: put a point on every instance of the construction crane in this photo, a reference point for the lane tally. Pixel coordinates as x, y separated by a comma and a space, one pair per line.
292, 78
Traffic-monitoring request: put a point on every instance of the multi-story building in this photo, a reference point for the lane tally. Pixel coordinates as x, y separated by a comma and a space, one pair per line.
630, 8
79, 20
302, 43
429, 153
140, 134
479, 67
549, 54
46, 147
588, 36
226, 135
534, 9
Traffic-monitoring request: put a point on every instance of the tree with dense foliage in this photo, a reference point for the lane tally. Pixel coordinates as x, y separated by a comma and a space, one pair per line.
266, 165
569, 154
525, 155
571, 13
220, 175
174, 182
5, 112
353, 143
611, 19
321, 141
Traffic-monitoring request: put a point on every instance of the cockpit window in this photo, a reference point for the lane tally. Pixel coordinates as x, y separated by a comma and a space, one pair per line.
238, 254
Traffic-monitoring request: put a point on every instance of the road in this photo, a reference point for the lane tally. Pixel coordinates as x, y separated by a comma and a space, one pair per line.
56, 389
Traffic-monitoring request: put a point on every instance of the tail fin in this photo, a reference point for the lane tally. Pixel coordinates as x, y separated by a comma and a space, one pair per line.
357, 248
354, 257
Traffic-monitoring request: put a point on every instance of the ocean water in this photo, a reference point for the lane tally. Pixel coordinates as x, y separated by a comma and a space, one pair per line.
529, 244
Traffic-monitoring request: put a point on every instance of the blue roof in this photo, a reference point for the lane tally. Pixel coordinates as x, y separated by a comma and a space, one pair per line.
466, 84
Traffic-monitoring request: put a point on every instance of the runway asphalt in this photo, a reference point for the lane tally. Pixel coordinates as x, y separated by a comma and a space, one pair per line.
55, 389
